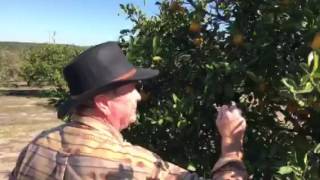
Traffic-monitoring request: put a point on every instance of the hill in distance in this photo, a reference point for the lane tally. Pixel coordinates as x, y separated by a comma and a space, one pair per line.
18, 46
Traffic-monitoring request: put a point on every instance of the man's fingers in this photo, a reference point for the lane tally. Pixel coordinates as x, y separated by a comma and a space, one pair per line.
229, 113
244, 124
224, 108
227, 116
219, 114
236, 110
221, 111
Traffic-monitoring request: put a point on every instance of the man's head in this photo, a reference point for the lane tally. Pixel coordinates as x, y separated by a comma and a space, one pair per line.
118, 106
102, 68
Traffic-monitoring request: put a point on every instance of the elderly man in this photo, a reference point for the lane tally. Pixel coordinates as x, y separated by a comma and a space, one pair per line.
103, 102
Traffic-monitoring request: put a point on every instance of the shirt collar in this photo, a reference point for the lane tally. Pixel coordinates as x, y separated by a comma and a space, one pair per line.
104, 128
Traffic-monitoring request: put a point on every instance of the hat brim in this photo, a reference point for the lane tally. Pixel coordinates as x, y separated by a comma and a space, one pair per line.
144, 73
68, 106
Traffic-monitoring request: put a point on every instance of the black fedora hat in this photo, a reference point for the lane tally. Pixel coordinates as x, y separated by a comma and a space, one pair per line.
99, 69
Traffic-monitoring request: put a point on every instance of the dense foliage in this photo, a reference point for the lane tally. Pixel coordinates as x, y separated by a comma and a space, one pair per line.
43, 67
11, 61
214, 52
9, 67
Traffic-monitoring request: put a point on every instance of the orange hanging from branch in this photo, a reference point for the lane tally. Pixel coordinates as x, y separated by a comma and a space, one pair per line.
316, 41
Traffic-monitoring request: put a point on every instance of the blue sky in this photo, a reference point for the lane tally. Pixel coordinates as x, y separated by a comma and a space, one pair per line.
80, 22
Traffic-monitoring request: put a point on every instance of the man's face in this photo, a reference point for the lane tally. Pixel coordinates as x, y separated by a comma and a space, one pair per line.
124, 105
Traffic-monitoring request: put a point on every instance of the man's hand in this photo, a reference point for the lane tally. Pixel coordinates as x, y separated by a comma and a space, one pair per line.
231, 126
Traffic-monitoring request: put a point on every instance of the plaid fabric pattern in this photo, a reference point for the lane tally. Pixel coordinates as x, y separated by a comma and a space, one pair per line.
88, 149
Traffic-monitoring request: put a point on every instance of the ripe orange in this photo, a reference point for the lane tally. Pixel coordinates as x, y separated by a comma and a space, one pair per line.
237, 39
175, 6
263, 87
198, 41
284, 2
195, 27
316, 41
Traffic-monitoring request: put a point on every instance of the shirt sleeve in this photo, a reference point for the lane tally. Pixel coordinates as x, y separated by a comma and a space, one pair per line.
225, 169
170, 171
14, 174
154, 167
229, 168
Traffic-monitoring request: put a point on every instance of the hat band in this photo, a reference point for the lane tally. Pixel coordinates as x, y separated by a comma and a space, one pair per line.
126, 75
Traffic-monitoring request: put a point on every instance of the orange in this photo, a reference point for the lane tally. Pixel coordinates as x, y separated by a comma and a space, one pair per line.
176, 7
316, 41
237, 39
284, 2
263, 87
195, 27
198, 41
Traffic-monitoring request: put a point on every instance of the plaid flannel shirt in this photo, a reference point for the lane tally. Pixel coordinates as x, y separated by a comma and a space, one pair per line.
88, 149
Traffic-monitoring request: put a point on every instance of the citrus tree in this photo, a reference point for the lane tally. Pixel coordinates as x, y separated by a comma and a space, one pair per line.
212, 52
9, 66
43, 67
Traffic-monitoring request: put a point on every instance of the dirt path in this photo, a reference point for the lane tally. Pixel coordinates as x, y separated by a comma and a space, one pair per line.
21, 118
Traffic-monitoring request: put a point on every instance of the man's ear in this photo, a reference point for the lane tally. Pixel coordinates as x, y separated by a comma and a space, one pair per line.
101, 103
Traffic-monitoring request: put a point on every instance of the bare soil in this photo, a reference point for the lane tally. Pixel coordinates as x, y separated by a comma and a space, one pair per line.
21, 119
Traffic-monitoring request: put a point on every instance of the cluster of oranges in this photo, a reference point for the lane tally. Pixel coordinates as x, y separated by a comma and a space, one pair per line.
195, 28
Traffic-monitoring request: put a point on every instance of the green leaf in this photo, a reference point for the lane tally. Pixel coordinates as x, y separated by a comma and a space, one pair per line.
316, 75
191, 167
160, 122
252, 76
307, 89
156, 59
317, 149
175, 98
290, 84
124, 31
301, 103
285, 170
181, 123
304, 67
155, 45
304, 79
310, 58
305, 159
316, 62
